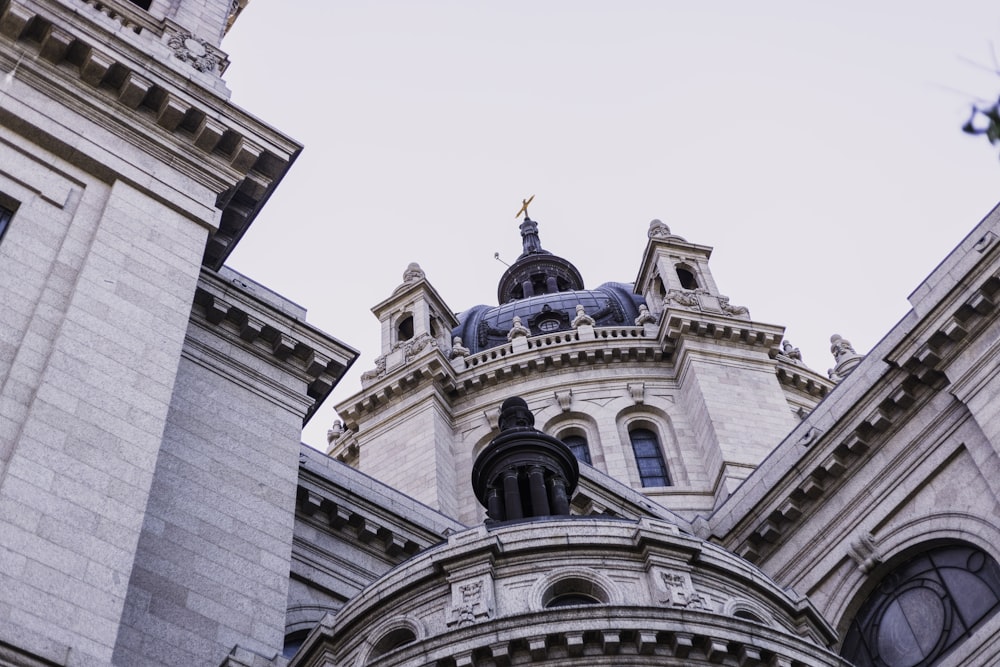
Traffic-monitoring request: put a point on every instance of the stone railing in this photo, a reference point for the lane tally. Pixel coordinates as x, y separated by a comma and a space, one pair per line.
552, 340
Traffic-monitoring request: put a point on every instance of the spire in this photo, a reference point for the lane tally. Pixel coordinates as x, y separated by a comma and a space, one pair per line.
529, 238
537, 271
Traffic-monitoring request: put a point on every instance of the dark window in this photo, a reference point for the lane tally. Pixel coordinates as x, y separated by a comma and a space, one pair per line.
572, 591
142, 3
649, 458
572, 599
687, 278
405, 328
924, 608
5, 215
578, 445
392, 641
293, 642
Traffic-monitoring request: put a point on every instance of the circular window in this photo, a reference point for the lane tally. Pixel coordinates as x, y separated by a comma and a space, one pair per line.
923, 608
548, 326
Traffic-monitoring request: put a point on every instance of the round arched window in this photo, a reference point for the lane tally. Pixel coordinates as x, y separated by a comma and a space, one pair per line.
923, 608
572, 591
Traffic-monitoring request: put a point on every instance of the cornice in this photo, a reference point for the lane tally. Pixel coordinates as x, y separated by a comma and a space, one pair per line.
128, 83
802, 379
560, 350
343, 504
466, 376
298, 348
885, 391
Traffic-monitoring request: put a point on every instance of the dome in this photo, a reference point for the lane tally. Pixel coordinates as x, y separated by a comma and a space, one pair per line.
543, 290
611, 304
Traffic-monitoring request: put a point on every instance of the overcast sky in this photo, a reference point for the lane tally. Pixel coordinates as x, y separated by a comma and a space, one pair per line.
816, 146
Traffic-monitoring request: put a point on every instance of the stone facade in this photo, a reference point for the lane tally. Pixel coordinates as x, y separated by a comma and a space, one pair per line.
157, 507
150, 402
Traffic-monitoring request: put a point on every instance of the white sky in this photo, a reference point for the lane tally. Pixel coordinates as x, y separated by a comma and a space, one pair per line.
816, 146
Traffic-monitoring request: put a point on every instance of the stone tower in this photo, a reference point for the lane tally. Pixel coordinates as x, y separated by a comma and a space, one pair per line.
653, 384
151, 399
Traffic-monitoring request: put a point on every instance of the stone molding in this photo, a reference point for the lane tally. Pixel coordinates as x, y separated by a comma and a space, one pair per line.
632, 619
297, 347
234, 154
338, 498
562, 349
915, 374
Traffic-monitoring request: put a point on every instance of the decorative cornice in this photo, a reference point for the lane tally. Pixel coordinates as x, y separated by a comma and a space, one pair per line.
246, 158
919, 371
802, 379
680, 323
523, 356
339, 508
300, 348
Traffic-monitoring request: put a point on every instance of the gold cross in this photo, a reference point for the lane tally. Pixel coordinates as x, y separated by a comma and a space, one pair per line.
524, 207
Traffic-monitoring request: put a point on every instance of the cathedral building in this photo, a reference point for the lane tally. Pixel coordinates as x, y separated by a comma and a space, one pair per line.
616, 473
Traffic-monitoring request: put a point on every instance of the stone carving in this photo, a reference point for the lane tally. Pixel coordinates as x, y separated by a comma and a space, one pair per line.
517, 329
658, 230
413, 273
195, 51
865, 552
410, 349
565, 399
680, 592
414, 345
335, 431
582, 318
790, 353
471, 601
841, 348
736, 311
681, 298
375, 372
457, 349
845, 356
645, 317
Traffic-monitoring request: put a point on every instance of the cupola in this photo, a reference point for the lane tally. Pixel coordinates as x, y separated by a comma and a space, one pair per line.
524, 473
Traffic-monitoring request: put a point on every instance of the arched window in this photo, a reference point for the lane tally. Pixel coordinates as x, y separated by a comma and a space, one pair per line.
578, 445
574, 590
391, 641
649, 457
293, 642
687, 278
924, 608
404, 330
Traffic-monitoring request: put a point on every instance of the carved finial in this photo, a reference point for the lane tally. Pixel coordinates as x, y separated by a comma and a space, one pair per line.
413, 273
517, 329
657, 229
582, 318
457, 349
524, 207
845, 356
790, 351
645, 317
334, 431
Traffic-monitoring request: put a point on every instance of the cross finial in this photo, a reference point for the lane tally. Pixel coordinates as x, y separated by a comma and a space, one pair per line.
524, 207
